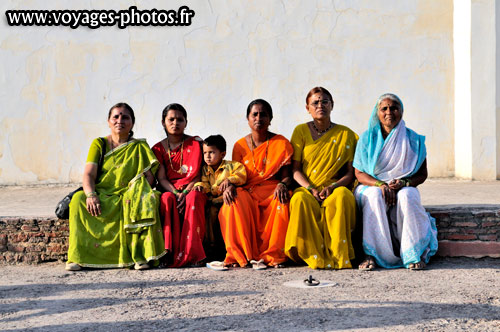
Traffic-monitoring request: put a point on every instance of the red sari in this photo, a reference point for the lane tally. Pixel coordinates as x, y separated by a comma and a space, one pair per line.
183, 239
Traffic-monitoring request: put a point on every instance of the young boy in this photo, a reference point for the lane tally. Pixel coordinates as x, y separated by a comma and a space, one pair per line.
218, 180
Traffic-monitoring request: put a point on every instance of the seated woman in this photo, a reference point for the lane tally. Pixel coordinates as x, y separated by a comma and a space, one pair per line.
322, 210
114, 222
390, 163
182, 209
254, 225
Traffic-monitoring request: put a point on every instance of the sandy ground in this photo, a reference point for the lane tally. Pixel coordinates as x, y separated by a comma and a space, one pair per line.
458, 294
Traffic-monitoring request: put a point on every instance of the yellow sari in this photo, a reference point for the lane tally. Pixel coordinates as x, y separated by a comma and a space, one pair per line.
320, 235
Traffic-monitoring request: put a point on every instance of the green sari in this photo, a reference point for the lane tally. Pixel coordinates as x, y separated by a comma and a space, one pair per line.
128, 231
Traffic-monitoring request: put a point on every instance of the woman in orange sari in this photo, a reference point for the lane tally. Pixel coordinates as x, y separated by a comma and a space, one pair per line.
254, 225
182, 210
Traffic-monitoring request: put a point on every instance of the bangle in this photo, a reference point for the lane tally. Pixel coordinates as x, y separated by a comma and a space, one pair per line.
333, 184
309, 187
176, 191
407, 182
91, 194
284, 184
185, 191
379, 183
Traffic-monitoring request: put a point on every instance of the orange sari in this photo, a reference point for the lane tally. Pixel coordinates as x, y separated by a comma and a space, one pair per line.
254, 226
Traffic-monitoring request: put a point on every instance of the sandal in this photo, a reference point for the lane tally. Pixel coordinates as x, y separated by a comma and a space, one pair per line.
368, 264
417, 266
72, 267
141, 266
217, 266
258, 265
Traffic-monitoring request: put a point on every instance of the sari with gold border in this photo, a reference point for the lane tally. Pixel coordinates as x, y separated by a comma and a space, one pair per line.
254, 226
128, 231
320, 234
183, 233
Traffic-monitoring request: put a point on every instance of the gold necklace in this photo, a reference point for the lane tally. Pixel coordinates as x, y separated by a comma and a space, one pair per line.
181, 170
322, 131
264, 161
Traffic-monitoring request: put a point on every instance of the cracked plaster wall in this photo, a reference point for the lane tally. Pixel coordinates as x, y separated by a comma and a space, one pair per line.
58, 83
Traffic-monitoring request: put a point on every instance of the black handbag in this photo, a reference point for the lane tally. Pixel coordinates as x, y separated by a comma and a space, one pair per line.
62, 208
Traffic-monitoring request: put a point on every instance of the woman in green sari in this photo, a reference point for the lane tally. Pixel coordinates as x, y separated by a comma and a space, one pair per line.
114, 221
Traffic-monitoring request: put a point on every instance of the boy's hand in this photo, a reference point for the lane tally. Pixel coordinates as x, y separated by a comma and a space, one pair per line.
224, 185
229, 195
198, 188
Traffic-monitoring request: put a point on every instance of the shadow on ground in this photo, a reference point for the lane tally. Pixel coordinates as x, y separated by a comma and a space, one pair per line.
311, 319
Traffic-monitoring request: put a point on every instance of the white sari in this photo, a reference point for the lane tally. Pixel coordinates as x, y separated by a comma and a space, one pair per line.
405, 233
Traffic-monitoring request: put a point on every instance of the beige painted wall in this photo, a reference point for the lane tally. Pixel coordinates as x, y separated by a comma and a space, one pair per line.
58, 83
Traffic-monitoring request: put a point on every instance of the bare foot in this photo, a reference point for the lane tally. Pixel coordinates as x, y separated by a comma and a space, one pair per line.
417, 266
368, 264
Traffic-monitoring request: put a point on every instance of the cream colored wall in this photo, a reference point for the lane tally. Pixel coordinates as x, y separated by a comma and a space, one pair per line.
477, 89
58, 83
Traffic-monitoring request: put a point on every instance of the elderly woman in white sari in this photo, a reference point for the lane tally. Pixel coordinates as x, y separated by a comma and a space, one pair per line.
390, 162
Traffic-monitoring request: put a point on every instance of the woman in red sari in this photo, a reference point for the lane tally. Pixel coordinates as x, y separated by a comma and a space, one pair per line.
182, 210
254, 225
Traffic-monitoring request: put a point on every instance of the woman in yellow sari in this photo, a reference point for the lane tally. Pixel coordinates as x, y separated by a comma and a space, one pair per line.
322, 210
254, 225
114, 221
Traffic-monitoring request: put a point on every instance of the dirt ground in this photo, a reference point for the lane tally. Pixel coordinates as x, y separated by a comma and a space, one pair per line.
458, 294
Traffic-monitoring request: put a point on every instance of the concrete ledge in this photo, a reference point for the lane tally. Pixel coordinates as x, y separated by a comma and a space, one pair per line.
475, 249
463, 230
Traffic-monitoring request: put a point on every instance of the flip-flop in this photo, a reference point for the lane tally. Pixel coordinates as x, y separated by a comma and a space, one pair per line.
258, 265
217, 266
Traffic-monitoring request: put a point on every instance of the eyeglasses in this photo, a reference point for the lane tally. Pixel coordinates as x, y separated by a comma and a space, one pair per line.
323, 102
392, 108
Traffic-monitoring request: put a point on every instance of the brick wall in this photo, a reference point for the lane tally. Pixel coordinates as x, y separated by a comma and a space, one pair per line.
33, 240
472, 231
462, 231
